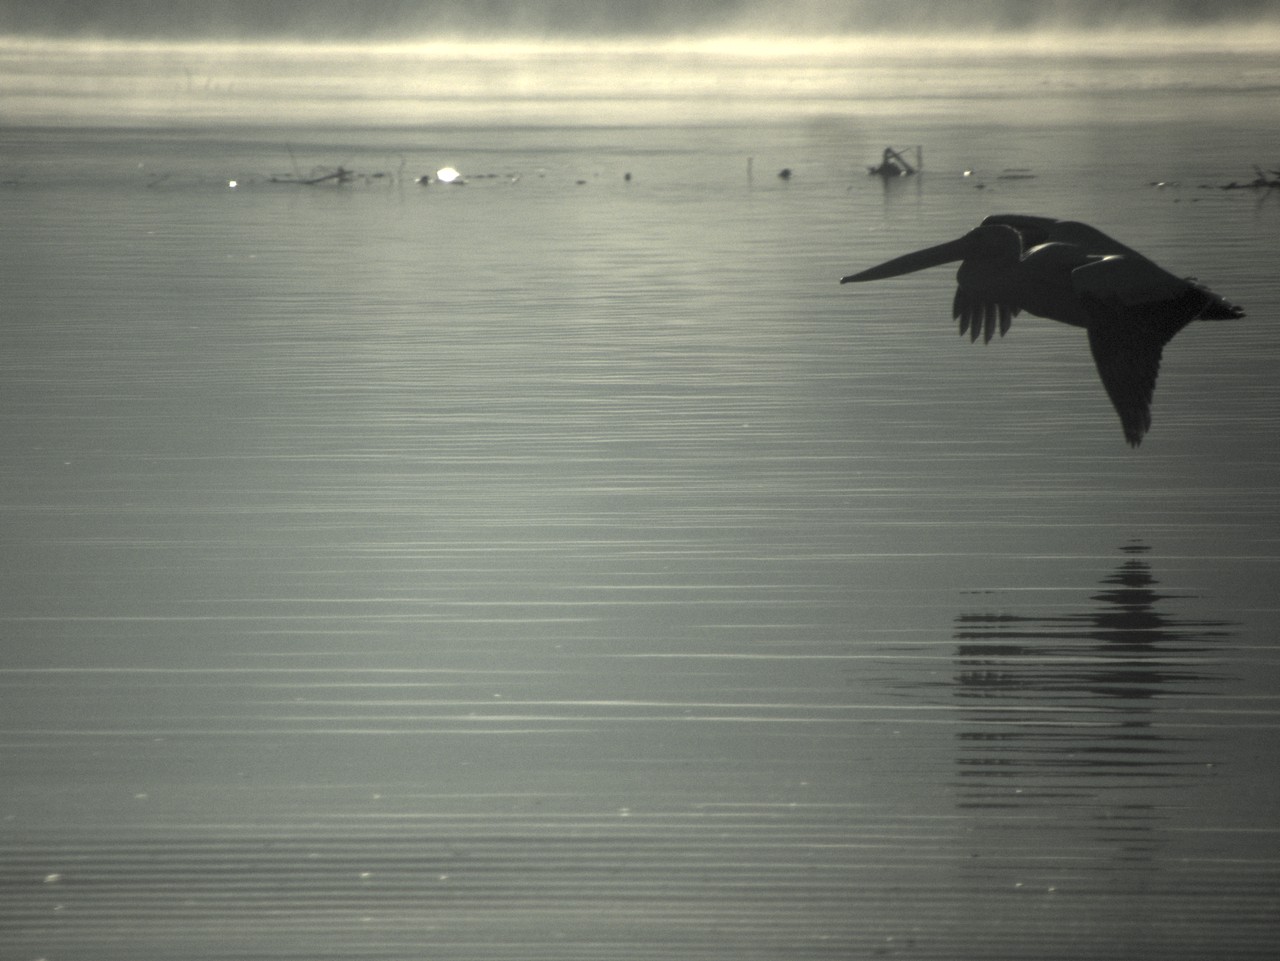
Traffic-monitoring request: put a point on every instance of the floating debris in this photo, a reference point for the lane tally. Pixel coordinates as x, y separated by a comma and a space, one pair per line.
784, 173
1261, 182
339, 176
893, 164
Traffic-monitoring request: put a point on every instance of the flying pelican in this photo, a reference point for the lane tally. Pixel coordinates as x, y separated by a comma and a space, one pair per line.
1073, 273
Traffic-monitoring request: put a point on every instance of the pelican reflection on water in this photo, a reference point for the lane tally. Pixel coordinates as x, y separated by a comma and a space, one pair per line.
1075, 274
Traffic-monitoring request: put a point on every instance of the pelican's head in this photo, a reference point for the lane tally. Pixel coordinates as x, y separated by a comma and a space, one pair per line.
984, 243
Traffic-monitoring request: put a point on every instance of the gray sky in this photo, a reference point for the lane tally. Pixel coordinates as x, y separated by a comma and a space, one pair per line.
392, 18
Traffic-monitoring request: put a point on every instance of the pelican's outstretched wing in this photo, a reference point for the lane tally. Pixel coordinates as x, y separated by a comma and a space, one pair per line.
1128, 360
1136, 309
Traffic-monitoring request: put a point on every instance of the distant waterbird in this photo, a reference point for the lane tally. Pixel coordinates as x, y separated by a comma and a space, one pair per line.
1072, 273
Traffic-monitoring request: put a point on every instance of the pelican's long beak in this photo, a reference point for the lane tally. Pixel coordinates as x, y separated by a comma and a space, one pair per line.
909, 263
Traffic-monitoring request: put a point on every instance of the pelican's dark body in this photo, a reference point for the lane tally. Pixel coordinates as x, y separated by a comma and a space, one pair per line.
1075, 274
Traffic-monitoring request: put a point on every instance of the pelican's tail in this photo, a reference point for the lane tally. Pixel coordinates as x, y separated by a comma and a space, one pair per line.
1215, 307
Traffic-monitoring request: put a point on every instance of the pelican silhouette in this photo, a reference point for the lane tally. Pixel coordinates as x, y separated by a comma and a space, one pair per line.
1076, 274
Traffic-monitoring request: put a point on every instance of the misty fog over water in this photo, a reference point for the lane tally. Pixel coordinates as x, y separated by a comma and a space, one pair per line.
622, 62
1060, 79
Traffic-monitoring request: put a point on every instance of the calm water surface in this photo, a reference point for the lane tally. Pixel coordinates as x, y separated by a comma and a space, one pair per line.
565, 567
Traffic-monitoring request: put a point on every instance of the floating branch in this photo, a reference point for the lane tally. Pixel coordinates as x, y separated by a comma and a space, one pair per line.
341, 176
1261, 182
